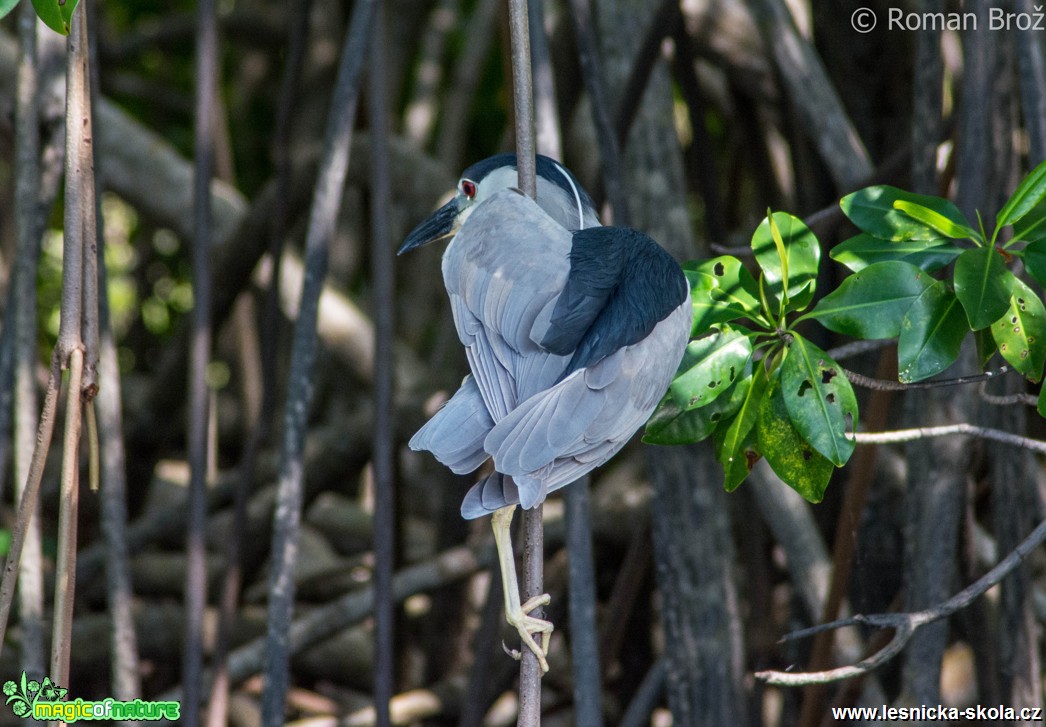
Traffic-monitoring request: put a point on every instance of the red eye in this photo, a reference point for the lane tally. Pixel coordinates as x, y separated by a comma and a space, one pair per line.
468, 188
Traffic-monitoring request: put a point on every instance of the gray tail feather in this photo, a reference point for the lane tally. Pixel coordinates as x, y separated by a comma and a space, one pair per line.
491, 493
456, 432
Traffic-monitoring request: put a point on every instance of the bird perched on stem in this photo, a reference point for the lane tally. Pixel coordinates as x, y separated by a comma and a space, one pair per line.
572, 332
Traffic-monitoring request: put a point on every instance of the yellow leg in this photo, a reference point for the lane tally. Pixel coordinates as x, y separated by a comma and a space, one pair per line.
516, 614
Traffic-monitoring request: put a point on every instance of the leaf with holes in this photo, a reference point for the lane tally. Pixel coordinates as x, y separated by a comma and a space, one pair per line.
787, 451
931, 334
1021, 333
983, 285
7, 6
671, 424
802, 257
871, 304
710, 366
736, 444
820, 400
56, 15
863, 250
1034, 256
873, 210
721, 290
1029, 193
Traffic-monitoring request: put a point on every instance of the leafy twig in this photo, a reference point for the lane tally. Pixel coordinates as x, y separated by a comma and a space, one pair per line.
905, 624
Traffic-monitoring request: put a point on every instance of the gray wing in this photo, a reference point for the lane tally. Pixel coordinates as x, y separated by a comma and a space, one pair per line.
504, 271
562, 433
456, 432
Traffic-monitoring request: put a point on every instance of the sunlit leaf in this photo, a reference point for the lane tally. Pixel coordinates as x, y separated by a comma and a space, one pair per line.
871, 304
820, 400
56, 15
721, 290
794, 460
859, 252
710, 366
983, 285
1021, 332
937, 221
1029, 193
931, 334
872, 210
803, 254
7, 6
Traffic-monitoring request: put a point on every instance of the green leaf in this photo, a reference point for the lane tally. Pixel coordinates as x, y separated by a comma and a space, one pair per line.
985, 345
872, 210
1029, 193
56, 15
931, 334
1021, 333
820, 400
1040, 405
802, 256
736, 444
872, 303
983, 285
7, 6
859, 252
710, 366
671, 424
937, 221
1034, 257
789, 455
1032, 226
721, 289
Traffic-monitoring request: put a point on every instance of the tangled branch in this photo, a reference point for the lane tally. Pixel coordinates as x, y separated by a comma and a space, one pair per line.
904, 624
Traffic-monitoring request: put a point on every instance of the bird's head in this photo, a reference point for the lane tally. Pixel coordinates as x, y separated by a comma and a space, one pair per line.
559, 194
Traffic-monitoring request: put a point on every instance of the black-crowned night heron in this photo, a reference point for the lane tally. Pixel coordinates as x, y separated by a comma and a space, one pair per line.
572, 332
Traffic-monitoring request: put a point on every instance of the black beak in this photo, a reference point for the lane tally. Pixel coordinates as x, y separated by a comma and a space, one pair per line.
438, 225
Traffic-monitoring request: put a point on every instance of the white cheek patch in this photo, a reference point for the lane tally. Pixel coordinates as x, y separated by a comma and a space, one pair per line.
577, 195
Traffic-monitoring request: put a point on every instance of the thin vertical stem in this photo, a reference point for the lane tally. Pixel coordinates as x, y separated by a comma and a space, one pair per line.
65, 566
384, 446
270, 336
523, 97
526, 166
199, 357
125, 670
27, 190
78, 246
326, 203
592, 74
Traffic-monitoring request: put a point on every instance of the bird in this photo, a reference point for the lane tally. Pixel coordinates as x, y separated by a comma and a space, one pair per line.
573, 332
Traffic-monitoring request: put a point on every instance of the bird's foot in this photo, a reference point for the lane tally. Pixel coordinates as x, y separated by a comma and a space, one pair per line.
528, 626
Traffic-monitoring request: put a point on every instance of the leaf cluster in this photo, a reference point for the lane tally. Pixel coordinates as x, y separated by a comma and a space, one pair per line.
921, 273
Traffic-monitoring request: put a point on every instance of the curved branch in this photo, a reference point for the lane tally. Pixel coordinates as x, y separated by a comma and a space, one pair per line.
906, 624
909, 435
888, 385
